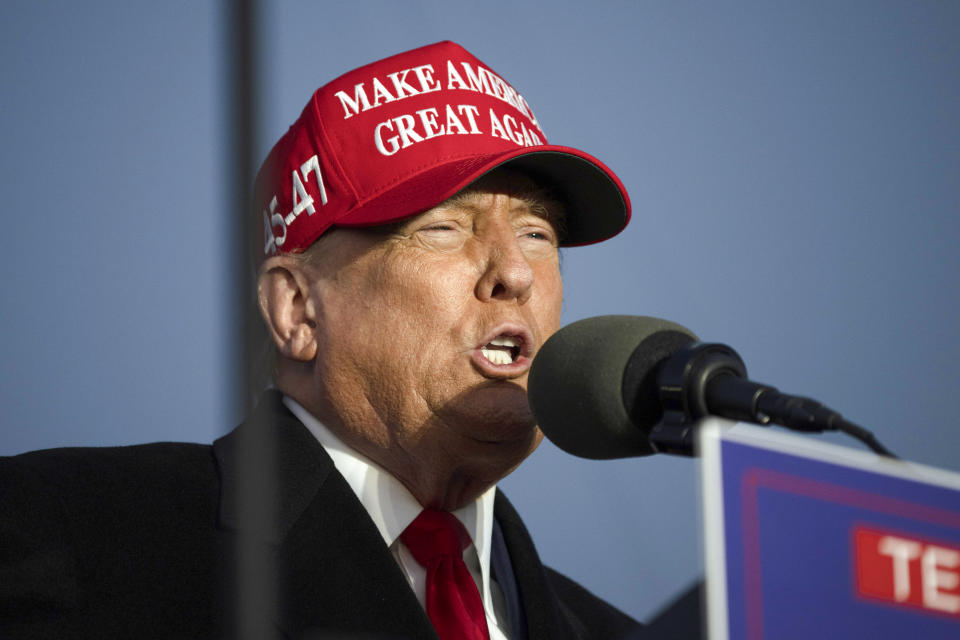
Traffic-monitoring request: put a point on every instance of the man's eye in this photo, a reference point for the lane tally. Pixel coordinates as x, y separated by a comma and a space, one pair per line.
539, 235
441, 225
441, 235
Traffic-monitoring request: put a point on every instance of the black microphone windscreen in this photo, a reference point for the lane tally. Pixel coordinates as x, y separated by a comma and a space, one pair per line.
582, 374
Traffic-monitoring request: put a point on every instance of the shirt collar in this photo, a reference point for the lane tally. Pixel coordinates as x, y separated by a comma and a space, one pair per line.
391, 506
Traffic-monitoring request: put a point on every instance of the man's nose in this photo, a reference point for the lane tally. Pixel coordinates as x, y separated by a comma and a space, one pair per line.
507, 273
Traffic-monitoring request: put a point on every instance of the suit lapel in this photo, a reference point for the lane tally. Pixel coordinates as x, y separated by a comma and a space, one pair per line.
502, 571
334, 570
539, 603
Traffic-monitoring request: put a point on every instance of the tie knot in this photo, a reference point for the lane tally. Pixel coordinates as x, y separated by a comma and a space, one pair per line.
435, 534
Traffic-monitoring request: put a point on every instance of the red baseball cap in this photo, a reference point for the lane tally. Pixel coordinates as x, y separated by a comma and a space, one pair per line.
401, 135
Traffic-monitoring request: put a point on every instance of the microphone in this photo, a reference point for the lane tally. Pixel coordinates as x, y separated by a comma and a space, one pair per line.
593, 385
624, 386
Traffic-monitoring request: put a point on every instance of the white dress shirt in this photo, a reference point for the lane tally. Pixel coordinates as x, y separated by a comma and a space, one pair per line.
392, 507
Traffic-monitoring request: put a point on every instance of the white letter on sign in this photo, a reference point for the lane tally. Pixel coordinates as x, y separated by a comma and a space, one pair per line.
935, 559
902, 551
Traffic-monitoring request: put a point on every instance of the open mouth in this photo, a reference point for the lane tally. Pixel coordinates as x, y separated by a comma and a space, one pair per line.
502, 350
506, 353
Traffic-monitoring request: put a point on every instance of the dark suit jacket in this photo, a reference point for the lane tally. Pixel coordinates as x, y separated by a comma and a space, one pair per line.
140, 542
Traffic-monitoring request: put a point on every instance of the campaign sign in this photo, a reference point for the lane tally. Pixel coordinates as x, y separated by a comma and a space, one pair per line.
805, 539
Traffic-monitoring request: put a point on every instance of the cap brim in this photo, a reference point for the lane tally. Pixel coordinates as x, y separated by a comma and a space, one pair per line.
597, 204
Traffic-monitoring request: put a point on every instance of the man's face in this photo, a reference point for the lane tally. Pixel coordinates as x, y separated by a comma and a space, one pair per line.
426, 330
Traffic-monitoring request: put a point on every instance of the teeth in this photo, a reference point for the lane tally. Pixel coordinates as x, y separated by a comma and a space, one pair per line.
504, 342
497, 356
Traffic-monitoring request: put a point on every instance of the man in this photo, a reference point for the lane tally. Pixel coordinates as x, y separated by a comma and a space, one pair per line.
409, 272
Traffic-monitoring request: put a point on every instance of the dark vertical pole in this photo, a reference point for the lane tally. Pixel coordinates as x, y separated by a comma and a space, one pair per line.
252, 585
241, 119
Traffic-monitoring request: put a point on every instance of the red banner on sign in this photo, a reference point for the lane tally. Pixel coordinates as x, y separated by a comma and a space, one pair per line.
907, 571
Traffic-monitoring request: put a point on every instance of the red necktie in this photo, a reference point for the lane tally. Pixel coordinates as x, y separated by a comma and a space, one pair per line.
437, 540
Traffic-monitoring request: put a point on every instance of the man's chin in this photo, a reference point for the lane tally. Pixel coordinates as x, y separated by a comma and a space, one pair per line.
496, 413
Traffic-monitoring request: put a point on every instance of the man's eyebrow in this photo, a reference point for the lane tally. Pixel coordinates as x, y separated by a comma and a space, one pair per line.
550, 210
395, 227
539, 202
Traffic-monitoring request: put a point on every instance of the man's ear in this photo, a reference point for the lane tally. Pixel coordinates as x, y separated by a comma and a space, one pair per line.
284, 297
